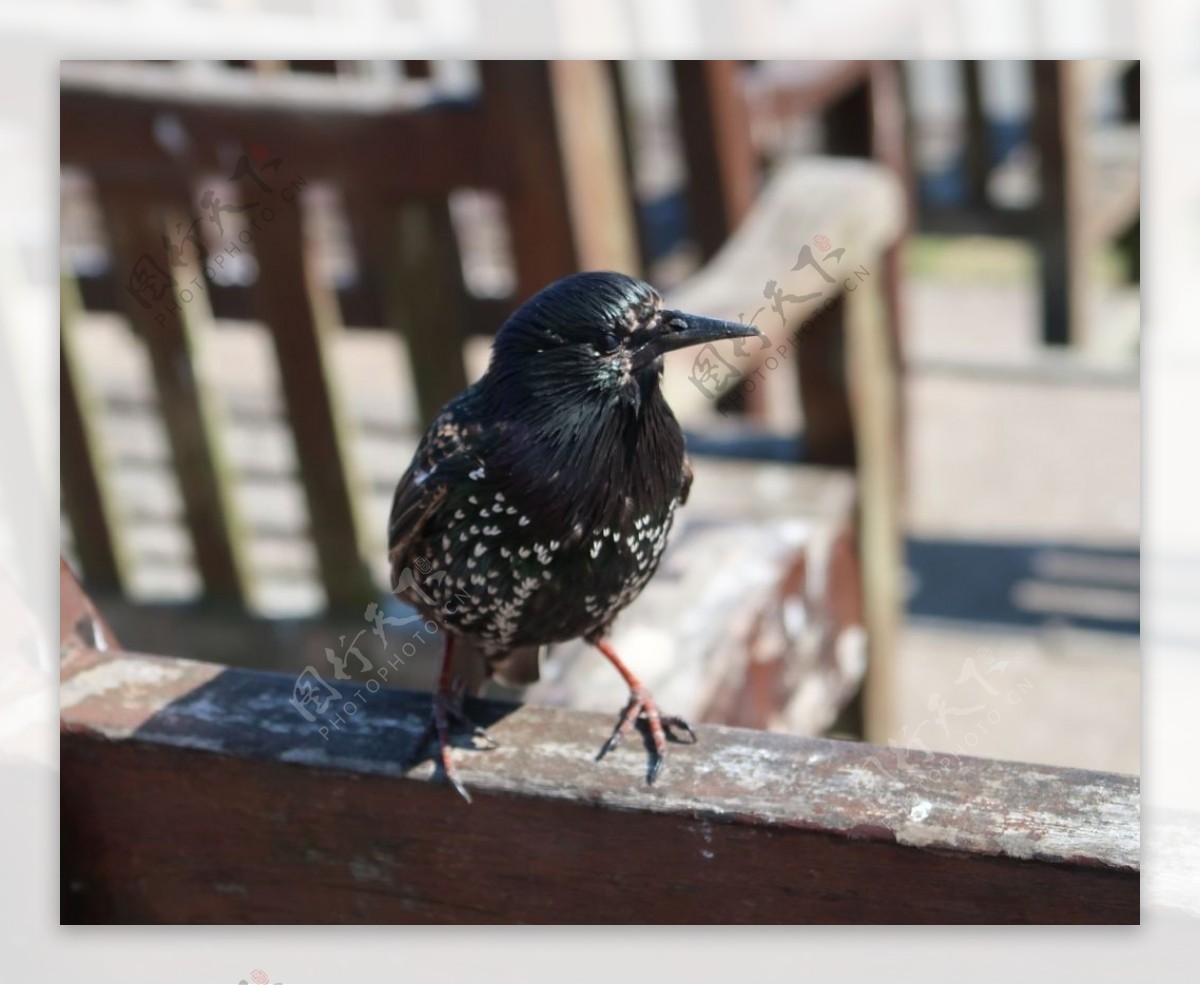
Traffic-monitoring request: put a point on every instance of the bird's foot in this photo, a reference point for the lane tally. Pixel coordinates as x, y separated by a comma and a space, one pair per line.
447, 709
642, 708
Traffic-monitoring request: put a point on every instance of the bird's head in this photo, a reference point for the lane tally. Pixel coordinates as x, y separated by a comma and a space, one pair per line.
598, 335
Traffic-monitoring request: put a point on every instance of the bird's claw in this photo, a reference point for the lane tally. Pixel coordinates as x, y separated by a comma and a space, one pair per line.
447, 707
642, 708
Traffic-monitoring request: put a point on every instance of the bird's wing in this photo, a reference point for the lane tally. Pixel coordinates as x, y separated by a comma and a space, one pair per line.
447, 453
411, 507
688, 474
442, 457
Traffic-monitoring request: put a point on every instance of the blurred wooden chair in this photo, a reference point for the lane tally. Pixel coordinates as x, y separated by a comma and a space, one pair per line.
148, 138
732, 118
148, 142
1088, 187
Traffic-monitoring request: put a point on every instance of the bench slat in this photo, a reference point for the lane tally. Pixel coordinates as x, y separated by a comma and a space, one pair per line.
409, 251
300, 313
168, 328
94, 534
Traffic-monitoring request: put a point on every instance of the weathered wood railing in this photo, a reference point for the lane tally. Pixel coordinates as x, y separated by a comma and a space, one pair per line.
193, 793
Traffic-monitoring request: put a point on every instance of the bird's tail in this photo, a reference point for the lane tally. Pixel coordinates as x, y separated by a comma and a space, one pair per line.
518, 668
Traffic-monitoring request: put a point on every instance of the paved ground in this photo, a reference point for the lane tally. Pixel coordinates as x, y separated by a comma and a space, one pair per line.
1010, 445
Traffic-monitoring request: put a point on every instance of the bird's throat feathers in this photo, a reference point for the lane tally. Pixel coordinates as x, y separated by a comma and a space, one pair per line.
573, 440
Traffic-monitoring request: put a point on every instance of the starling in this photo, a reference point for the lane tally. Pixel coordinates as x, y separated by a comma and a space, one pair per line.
539, 500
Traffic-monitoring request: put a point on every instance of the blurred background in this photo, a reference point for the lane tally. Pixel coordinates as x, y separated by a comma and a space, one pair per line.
916, 514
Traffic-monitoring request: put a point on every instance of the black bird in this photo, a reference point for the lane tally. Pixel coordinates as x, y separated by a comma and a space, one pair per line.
539, 501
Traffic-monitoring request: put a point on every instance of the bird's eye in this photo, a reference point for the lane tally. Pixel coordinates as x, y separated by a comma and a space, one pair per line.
608, 342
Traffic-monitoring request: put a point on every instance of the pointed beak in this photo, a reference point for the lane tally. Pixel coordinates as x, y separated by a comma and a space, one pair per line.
678, 330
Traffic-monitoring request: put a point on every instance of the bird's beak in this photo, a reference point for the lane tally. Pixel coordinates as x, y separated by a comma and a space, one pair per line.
678, 330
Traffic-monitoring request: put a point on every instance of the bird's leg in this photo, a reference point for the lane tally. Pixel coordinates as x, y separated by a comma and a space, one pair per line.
641, 705
447, 706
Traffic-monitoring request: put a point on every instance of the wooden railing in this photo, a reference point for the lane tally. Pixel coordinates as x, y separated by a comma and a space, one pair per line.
194, 793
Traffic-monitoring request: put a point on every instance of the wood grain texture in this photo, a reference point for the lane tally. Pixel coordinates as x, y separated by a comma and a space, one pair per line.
193, 793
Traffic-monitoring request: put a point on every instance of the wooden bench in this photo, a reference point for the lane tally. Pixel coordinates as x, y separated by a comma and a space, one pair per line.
194, 793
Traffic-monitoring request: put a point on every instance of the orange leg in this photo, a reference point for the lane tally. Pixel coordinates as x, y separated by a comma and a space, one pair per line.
447, 706
641, 705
